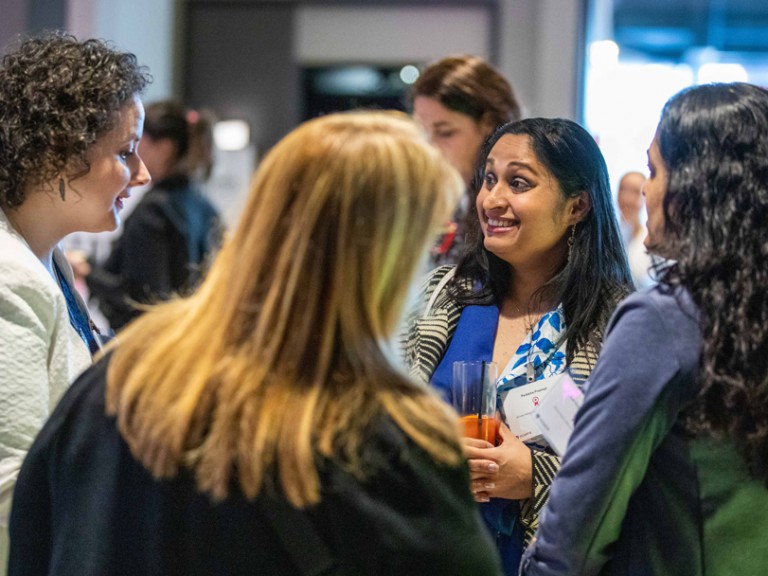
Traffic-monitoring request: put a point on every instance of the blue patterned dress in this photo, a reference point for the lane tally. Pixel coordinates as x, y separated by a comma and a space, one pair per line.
541, 355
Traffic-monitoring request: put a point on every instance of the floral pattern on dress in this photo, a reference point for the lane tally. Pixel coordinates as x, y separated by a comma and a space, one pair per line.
543, 348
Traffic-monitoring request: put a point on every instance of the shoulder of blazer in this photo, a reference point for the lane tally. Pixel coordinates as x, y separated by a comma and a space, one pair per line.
585, 357
432, 324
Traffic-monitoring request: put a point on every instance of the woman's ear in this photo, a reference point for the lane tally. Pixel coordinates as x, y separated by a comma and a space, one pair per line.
580, 207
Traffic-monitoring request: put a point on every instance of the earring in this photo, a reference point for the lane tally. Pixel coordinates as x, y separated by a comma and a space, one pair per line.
62, 190
571, 239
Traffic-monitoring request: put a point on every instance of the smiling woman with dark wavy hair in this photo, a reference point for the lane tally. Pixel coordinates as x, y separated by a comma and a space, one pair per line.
677, 408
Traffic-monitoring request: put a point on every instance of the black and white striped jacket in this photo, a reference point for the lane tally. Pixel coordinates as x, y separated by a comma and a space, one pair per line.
430, 329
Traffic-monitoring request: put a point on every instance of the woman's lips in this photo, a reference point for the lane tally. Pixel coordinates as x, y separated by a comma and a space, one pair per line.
500, 225
120, 198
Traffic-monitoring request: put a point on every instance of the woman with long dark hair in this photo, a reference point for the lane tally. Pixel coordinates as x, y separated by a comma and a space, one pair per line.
545, 271
677, 409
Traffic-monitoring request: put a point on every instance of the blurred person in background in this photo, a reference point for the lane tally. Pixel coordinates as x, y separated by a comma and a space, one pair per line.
676, 411
170, 235
545, 272
261, 426
70, 123
633, 232
460, 101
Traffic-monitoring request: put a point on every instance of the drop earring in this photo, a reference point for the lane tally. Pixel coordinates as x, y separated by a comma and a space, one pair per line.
62, 190
571, 239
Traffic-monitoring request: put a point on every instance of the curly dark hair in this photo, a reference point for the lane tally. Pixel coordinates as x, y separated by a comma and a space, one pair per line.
713, 141
597, 274
57, 96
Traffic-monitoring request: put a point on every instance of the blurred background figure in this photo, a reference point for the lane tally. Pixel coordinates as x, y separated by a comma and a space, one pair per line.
460, 100
633, 231
261, 424
173, 230
70, 122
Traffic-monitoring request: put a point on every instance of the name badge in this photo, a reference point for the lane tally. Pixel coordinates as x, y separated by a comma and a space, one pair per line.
520, 405
557, 411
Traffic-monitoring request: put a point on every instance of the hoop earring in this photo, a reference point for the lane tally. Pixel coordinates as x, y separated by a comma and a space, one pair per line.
62, 190
571, 240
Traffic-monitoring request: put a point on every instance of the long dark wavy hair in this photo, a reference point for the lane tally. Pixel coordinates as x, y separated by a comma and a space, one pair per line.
596, 274
713, 141
57, 96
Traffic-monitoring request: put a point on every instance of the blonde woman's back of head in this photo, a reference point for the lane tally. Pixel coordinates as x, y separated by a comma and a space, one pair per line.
281, 353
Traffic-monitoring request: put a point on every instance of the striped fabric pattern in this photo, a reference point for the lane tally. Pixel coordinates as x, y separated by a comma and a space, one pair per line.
426, 341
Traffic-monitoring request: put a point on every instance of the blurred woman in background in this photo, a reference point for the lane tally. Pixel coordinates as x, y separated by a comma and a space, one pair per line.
174, 229
260, 426
460, 100
630, 201
70, 122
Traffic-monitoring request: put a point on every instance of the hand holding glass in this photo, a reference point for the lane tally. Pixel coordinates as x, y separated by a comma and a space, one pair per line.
474, 398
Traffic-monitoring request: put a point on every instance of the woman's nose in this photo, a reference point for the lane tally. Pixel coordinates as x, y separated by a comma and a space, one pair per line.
142, 176
494, 198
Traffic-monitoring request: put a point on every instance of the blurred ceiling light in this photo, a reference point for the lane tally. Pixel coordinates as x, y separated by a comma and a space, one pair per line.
603, 54
231, 135
720, 72
409, 74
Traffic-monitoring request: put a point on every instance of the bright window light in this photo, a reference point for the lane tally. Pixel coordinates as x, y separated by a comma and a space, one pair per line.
623, 106
719, 72
603, 54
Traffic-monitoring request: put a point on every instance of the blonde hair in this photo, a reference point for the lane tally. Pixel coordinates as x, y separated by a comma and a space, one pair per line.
281, 355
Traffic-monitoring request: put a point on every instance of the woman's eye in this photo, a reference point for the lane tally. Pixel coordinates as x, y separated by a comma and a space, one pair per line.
125, 154
445, 135
518, 184
490, 180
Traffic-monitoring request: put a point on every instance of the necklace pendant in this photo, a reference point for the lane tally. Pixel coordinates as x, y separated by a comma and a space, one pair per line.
530, 372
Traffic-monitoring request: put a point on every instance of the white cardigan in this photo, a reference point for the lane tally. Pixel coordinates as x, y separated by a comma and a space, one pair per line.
40, 352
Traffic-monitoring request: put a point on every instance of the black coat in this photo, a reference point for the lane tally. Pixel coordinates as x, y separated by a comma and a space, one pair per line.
84, 507
161, 251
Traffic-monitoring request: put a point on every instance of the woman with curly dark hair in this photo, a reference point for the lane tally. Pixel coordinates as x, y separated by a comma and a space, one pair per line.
70, 124
677, 408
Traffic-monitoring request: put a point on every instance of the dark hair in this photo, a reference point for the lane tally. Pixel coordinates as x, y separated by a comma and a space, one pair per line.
596, 272
57, 96
470, 86
191, 131
713, 141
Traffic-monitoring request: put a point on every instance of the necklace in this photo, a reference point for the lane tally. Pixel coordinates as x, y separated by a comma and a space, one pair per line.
529, 322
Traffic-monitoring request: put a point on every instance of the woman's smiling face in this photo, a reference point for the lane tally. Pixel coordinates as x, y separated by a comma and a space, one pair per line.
524, 216
94, 200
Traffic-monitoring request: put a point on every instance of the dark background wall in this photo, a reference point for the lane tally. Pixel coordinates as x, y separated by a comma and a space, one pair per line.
29, 16
239, 56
